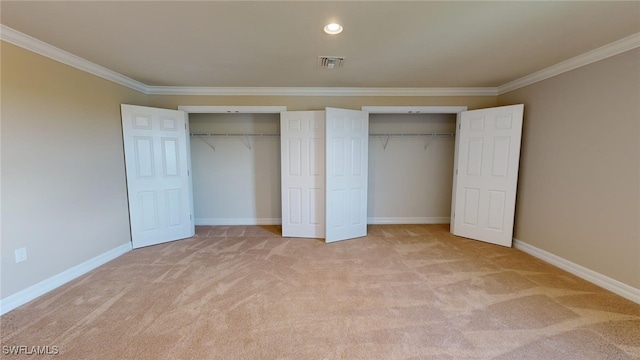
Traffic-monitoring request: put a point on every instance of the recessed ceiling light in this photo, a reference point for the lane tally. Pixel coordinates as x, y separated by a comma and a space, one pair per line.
333, 28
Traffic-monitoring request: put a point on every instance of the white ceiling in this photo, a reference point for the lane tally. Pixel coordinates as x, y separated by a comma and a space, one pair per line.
413, 44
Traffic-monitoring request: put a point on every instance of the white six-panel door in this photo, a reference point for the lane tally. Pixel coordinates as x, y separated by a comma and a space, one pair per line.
486, 173
302, 144
157, 161
326, 153
324, 168
347, 173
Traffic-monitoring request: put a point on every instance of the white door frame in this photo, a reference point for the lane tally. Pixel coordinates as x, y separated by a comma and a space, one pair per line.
205, 109
414, 109
227, 109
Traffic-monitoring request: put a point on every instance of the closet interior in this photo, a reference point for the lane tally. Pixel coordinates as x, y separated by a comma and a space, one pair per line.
236, 168
235, 161
410, 168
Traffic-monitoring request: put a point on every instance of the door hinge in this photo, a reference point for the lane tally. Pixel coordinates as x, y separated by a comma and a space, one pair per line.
459, 126
456, 171
188, 173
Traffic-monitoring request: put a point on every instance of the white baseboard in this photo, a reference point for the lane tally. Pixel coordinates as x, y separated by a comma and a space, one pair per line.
606, 282
22, 297
237, 221
407, 220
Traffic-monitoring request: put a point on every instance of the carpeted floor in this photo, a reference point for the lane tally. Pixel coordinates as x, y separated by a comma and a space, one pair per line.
403, 292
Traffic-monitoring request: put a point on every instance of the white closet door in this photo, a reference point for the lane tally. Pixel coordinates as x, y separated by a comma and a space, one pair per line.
347, 171
486, 173
157, 163
302, 144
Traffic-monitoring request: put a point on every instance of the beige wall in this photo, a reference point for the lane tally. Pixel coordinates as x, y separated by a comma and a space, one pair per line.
63, 185
579, 188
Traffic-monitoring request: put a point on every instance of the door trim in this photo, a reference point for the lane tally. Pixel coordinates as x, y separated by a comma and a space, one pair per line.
414, 109
198, 109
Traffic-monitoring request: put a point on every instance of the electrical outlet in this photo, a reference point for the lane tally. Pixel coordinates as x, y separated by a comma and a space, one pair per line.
21, 255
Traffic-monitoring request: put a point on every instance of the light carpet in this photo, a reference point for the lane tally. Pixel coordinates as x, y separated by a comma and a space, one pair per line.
402, 292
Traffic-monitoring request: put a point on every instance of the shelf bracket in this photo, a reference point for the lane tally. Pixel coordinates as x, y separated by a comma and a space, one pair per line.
206, 142
247, 142
429, 141
385, 142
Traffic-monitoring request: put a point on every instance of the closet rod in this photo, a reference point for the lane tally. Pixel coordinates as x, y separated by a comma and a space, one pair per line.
217, 134
413, 134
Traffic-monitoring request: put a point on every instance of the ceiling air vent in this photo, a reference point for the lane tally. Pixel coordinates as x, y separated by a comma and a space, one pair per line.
330, 62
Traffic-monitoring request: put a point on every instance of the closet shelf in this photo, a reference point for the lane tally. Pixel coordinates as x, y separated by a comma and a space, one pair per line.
415, 134
242, 135
267, 134
430, 136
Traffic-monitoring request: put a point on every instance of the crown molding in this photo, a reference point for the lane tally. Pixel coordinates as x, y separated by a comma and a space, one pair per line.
40, 47
318, 91
612, 49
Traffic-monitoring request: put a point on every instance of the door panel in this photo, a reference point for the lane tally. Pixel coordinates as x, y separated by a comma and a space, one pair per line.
170, 157
486, 175
302, 173
347, 162
158, 179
